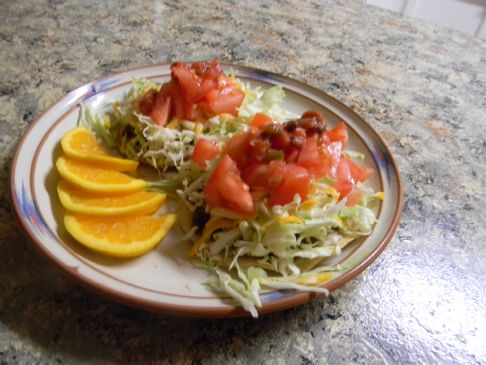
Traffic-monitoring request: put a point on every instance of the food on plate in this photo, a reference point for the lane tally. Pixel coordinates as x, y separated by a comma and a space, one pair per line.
81, 144
107, 211
195, 91
124, 236
266, 196
85, 202
133, 124
97, 179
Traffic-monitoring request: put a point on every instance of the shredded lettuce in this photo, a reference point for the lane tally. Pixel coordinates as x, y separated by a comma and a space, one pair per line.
246, 295
266, 102
354, 155
99, 125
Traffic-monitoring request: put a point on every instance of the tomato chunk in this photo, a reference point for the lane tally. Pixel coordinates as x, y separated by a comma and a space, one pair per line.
296, 181
197, 90
349, 174
309, 156
204, 151
161, 110
256, 175
339, 134
226, 189
239, 149
146, 103
260, 120
276, 173
227, 102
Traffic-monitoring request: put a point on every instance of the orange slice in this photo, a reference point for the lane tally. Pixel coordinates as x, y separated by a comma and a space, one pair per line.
119, 236
81, 201
93, 178
81, 144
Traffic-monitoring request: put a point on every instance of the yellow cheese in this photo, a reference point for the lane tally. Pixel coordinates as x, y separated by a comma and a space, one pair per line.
281, 220
309, 203
199, 128
173, 124
309, 279
380, 195
212, 226
289, 219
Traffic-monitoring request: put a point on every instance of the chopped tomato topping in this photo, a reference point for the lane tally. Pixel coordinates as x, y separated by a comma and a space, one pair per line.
260, 120
256, 175
339, 134
226, 189
349, 174
196, 90
280, 160
296, 181
204, 151
226, 102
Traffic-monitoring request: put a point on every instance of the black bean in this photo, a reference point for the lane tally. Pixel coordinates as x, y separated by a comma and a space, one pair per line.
200, 218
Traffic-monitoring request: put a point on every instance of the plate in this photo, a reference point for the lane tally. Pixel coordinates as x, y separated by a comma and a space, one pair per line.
164, 280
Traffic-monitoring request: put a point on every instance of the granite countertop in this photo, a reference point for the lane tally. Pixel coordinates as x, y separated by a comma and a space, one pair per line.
422, 87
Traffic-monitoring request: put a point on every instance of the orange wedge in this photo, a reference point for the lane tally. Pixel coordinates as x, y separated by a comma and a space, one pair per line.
119, 236
81, 144
93, 178
81, 201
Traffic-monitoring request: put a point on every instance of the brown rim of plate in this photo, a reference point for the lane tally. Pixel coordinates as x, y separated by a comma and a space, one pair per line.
213, 312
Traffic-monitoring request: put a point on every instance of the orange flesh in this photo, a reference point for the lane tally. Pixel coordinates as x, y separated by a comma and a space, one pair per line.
120, 231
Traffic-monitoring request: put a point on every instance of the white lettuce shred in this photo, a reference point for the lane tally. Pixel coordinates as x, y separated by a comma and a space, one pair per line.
265, 101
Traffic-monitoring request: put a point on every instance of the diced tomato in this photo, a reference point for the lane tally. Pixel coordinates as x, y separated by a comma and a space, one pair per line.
358, 173
260, 120
276, 173
349, 174
166, 89
161, 110
209, 69
228, 102
321, 160
339, 134
364, 172
315, 160
280, 140
204, 151
196, 90
177, 101
258, 194
191, 110
226, 189
256, 175
333, 152
292, 154
147, 101
238, 148
194, 87
354, 196
309, 155
296, 181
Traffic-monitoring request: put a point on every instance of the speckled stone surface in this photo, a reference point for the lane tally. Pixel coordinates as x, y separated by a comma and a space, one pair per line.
422, 87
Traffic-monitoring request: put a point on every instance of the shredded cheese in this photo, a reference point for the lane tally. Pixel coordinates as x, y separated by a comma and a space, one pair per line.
309, 203
306, 279
212, 226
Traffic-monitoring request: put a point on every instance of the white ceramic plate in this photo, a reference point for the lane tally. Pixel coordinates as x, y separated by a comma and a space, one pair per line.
164, 280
